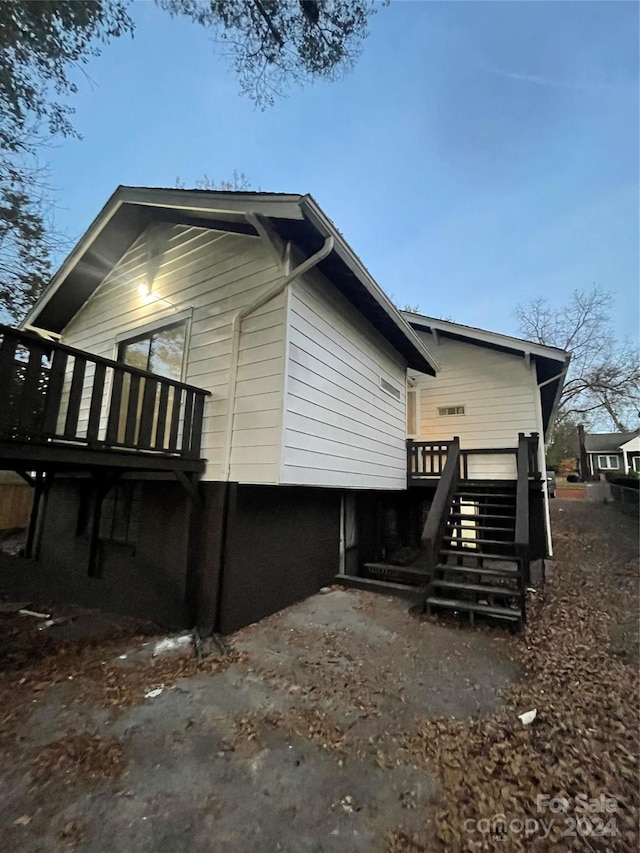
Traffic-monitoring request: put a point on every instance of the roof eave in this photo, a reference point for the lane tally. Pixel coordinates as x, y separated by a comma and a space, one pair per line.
482, 336
324, 225
104, 216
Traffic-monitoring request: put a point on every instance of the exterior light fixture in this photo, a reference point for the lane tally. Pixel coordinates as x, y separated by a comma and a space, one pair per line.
144, 290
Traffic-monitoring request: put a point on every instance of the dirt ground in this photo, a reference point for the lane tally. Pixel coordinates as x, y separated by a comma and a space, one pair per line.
340, 724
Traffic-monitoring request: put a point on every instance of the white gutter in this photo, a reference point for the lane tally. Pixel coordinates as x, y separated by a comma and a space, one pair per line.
236, 328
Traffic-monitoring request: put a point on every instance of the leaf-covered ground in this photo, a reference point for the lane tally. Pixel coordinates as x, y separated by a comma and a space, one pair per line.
580, 671
340, 724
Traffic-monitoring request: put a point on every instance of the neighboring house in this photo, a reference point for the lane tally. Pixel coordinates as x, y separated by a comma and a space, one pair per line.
210, 399
612, 451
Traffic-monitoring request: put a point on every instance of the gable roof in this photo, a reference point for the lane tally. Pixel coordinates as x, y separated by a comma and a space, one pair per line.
607, 442
551, 363
295, 218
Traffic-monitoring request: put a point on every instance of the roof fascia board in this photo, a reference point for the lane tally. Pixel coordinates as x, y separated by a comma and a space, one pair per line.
285, 207
99, 223
270, 205
315, 214
480, 336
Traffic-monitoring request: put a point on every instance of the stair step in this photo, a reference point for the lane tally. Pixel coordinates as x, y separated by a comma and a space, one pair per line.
483, 527
402, 590
482, 516
490, 505
490, 610
484, 495
482, 588
488, 484
469, 552
470, 570
474, 540
412, 572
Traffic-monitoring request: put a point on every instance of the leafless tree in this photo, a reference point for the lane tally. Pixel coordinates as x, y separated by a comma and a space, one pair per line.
603, 382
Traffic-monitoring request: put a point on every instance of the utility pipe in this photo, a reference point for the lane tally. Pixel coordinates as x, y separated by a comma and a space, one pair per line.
236, 328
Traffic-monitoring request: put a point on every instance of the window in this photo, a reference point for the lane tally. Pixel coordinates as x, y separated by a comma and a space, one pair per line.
160, 351
635, 463
608, 462
120, 516
389, 388
448, 411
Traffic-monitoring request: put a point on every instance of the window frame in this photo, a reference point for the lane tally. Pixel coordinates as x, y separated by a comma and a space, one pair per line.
129, 494
635, 464
415, 391
444, 411
124, 491
165, 321
607, 467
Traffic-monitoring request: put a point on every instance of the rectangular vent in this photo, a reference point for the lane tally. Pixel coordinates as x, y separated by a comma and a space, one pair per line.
389, 388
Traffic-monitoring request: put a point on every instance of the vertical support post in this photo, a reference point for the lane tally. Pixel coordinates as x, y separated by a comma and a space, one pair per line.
38, 490
206, 531
410, 452
102, 486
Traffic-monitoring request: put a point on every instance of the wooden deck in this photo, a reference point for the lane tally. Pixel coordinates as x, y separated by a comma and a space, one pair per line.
64, 408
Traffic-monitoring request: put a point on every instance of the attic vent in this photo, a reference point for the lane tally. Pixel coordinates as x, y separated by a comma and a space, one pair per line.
447, 411
389, 388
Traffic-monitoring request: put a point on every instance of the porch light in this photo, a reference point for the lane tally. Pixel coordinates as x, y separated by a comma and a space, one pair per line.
144, 290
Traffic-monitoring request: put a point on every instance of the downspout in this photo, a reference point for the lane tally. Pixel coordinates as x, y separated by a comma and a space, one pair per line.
236, 328
542, 456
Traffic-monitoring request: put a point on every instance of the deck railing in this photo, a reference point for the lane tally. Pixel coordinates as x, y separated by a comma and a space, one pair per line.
436, 520
53, 393
426, 460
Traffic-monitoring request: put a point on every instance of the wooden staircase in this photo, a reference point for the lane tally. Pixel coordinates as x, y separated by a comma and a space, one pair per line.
479, 567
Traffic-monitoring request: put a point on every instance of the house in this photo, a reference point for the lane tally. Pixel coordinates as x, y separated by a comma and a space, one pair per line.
210, 401
612, 451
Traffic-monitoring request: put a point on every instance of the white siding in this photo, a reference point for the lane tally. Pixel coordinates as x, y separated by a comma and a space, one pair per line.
341, 428
498, 391
257, 420
213, 275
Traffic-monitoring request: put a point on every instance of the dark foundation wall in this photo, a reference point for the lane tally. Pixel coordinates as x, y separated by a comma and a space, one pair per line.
282, 544
146, 580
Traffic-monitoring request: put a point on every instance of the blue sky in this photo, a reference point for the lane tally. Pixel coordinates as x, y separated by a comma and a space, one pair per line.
480, 153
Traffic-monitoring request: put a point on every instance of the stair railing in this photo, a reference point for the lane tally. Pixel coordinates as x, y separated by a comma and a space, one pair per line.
522, 514
438, 513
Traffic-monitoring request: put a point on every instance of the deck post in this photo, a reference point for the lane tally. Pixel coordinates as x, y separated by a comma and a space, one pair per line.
38, 491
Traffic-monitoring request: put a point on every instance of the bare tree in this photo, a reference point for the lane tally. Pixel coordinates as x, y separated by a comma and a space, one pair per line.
238, 182
603, 381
